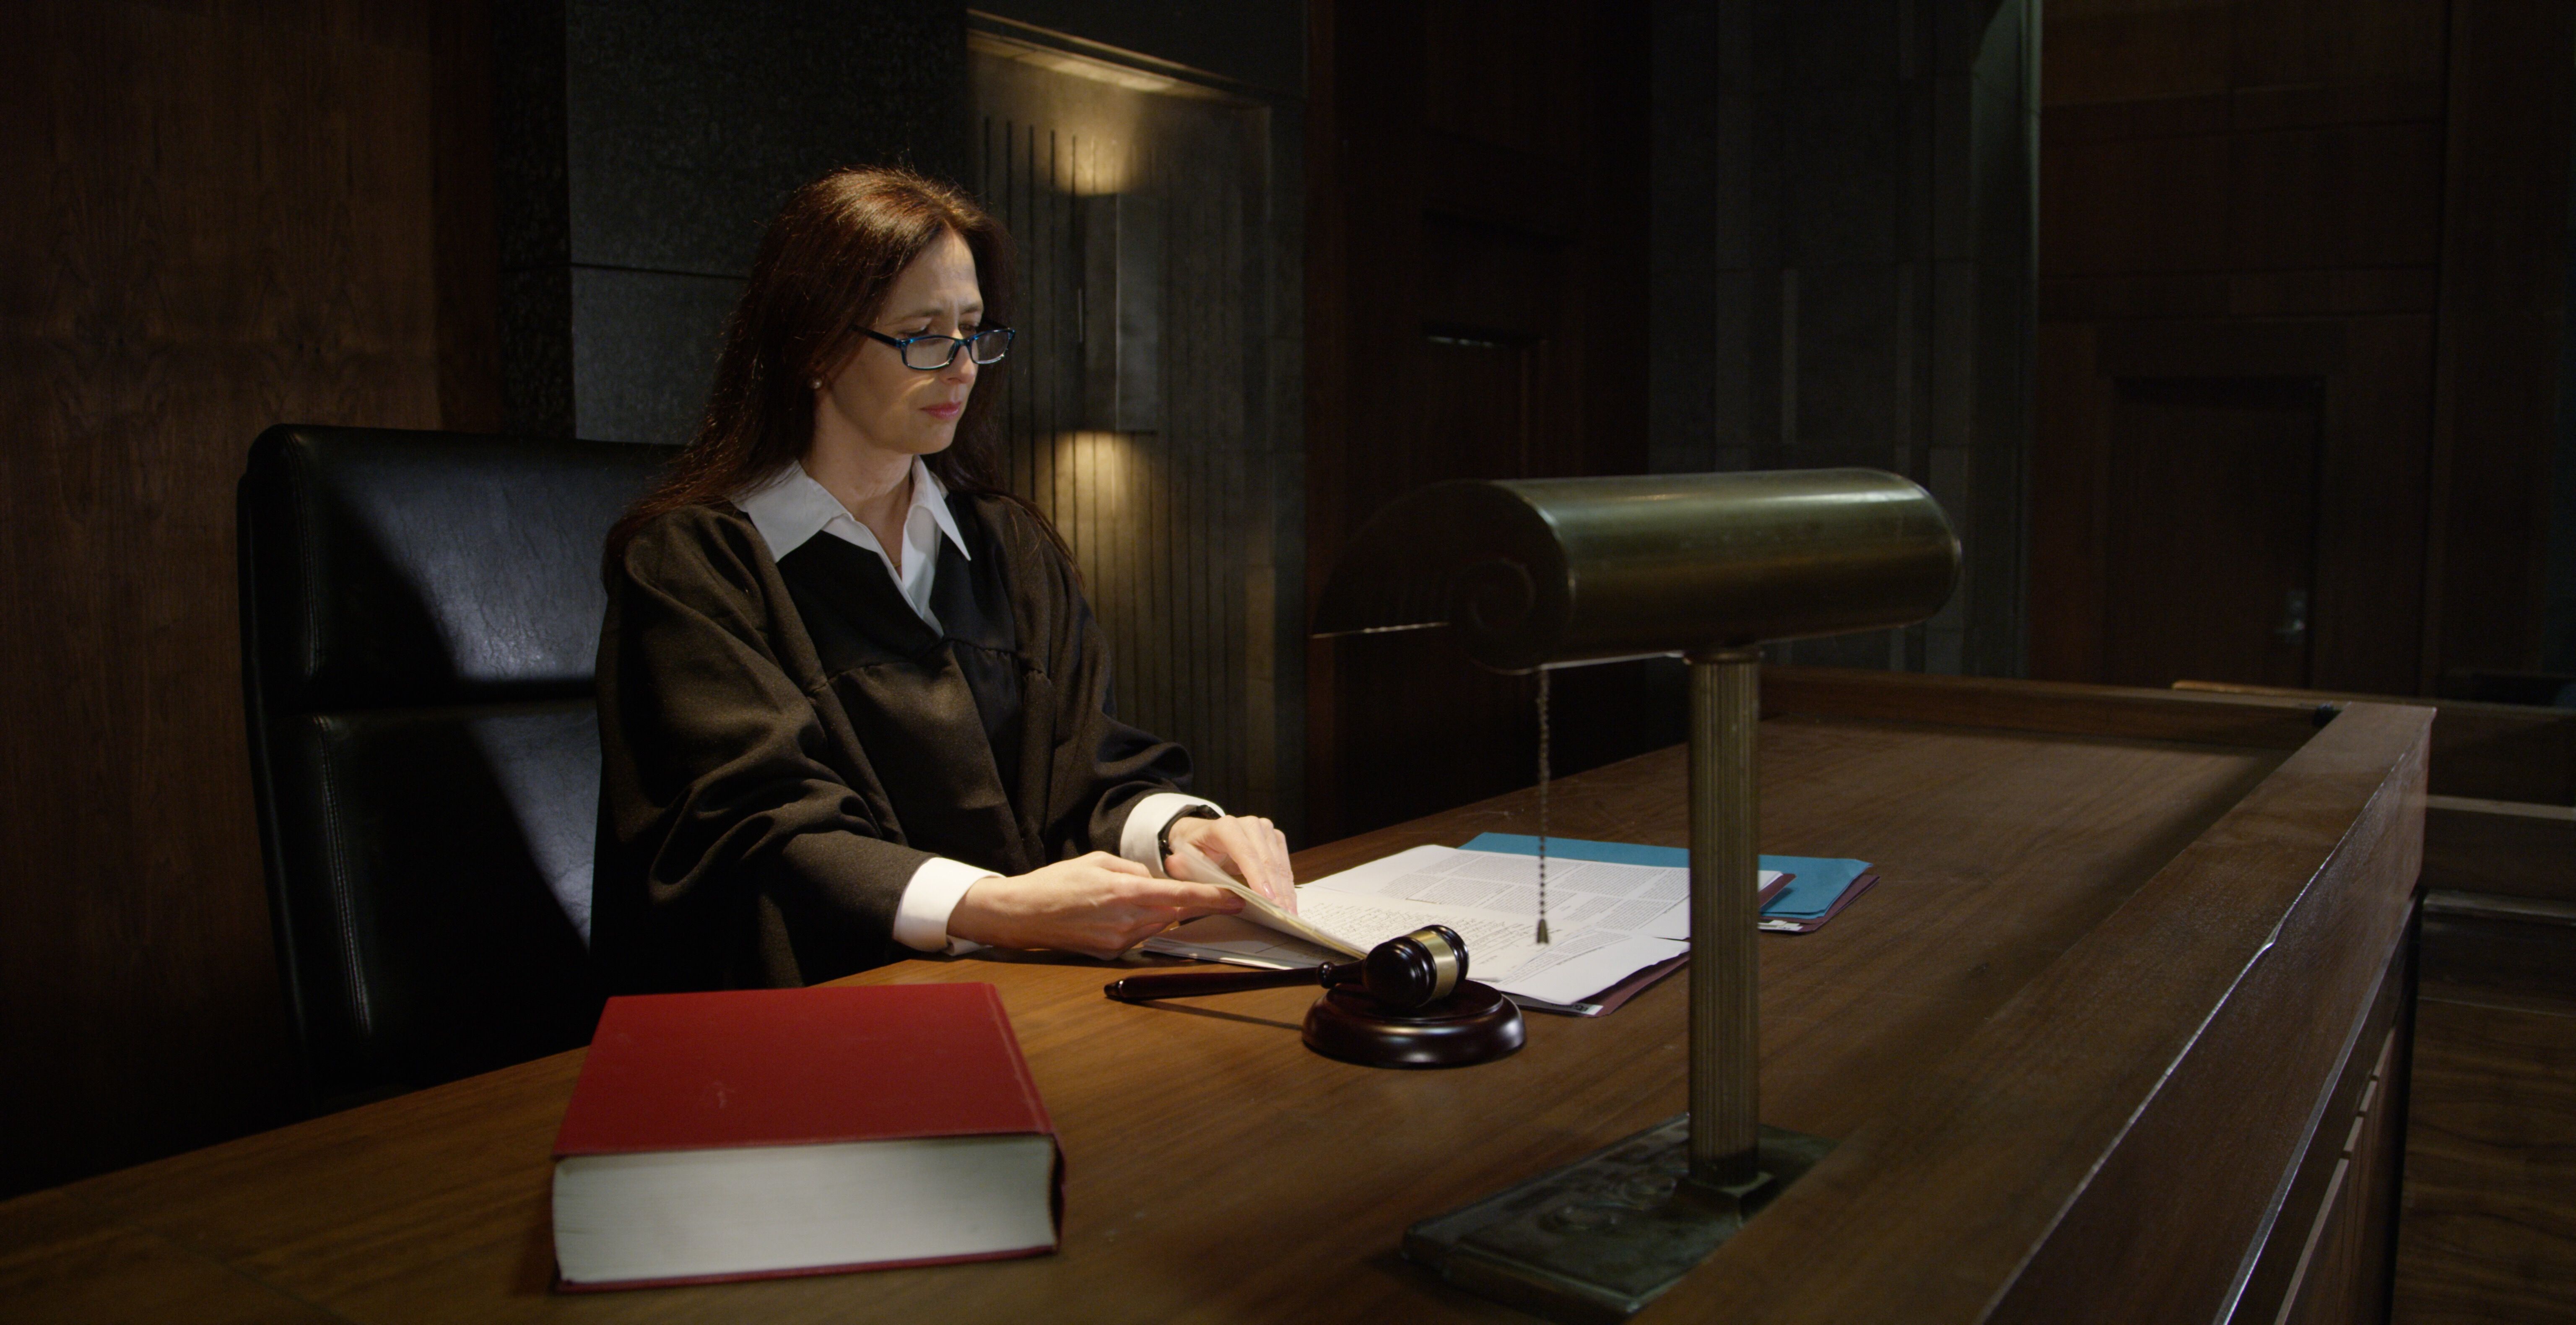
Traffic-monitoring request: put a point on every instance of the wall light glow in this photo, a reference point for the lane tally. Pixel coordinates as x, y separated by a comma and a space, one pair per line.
1110, 472
1100, 109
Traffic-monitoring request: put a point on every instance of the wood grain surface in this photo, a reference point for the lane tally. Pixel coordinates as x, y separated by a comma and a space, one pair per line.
2249, 944
2485, 1226
2480, 953
2489, 1232
2058, 914
2481, 849
2341, 1271
2496, 752
2273, 720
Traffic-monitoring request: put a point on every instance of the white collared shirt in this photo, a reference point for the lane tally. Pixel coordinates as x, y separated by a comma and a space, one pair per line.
790, 508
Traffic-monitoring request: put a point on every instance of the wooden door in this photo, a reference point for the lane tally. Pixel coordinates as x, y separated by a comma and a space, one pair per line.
2344, 224
2240, 247
1476, 290
2212, 523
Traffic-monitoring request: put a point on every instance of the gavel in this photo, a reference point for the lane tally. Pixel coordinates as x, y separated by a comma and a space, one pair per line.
1404, 973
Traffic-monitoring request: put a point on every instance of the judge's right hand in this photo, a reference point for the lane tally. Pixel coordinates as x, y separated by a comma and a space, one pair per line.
1098, 904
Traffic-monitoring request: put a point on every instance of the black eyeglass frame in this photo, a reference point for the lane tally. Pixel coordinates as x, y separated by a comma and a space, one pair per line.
903, 347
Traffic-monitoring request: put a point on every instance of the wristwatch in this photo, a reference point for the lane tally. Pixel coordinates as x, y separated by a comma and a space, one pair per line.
1163, 839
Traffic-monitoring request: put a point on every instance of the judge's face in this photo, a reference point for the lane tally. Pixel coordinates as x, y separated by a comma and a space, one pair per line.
898, 411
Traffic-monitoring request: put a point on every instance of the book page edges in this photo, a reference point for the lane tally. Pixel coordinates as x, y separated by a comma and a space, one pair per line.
563, 1285
573, 1169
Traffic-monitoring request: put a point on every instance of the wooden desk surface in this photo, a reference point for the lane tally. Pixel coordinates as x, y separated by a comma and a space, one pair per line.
2066, 928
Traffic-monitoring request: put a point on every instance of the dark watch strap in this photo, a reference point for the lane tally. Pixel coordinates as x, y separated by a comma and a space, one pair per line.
1163, 839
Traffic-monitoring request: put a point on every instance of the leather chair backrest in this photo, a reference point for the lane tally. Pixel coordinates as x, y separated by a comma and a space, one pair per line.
420, 619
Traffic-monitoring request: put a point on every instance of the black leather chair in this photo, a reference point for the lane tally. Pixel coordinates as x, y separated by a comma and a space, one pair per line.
420, 619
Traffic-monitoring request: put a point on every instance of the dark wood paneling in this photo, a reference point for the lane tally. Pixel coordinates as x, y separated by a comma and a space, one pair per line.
2113, 52
2363, 515
2489, 1229
2504, 286
469, 232
2344, 1259
2039, 706
2347, 195
2284, 199
2497, 752
2150, 204
2070, 499
2265, 294
2489, 947
2478, 849
220, 217
2214, 173
2370, 509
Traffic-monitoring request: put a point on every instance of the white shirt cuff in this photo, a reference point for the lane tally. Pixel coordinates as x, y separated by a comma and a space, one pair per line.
921, 916
1145, 825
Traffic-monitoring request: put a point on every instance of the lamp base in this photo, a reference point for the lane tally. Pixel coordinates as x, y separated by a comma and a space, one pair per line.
1598, 1239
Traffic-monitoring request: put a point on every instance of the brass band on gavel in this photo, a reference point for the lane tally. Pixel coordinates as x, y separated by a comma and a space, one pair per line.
1548, 571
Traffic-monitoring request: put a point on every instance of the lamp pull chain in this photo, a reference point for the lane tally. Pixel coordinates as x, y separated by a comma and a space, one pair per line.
1542, 805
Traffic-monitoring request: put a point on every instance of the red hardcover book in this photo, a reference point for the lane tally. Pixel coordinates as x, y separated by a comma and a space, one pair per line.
762, 1132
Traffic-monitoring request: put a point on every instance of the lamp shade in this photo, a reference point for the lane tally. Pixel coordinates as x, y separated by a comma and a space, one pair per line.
1539, 571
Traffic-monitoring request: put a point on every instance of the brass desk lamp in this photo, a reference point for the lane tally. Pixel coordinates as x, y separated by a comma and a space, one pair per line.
1545, 572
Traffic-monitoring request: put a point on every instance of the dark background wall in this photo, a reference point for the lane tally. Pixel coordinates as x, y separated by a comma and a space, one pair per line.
642, 146
1680, 235
1475, 291
2559, 647
1844, 212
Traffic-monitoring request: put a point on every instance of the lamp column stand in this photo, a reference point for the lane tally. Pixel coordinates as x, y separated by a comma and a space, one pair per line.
1725, 968
1597, 1239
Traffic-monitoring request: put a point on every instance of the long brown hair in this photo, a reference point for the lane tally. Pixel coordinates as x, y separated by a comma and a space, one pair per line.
820, 279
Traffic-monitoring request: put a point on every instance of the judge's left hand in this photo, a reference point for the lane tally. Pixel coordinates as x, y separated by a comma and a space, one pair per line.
1249, 846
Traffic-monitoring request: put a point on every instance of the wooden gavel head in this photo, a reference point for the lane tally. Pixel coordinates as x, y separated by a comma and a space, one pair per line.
1419, 968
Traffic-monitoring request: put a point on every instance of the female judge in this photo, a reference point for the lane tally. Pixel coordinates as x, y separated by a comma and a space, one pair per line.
852, 703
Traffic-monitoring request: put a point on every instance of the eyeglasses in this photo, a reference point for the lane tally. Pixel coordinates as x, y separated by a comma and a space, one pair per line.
929, 354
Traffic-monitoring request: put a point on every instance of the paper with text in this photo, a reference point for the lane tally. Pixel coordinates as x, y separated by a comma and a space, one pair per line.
1609, 921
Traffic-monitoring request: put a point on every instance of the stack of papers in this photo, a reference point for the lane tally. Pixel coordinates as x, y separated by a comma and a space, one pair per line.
1613, 910
1814, 888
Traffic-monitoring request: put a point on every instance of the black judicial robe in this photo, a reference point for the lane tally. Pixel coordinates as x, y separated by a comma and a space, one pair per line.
784, 742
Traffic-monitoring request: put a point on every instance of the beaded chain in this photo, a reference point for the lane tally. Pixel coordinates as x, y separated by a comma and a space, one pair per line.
1542, 805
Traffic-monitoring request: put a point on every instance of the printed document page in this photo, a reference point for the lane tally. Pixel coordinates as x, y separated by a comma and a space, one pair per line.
1607, 921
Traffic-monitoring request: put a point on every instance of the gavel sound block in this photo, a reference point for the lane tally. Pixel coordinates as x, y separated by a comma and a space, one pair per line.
1550, 572
1409, 1003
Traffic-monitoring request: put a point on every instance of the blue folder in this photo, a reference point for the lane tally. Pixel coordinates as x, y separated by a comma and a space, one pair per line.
1815, 883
